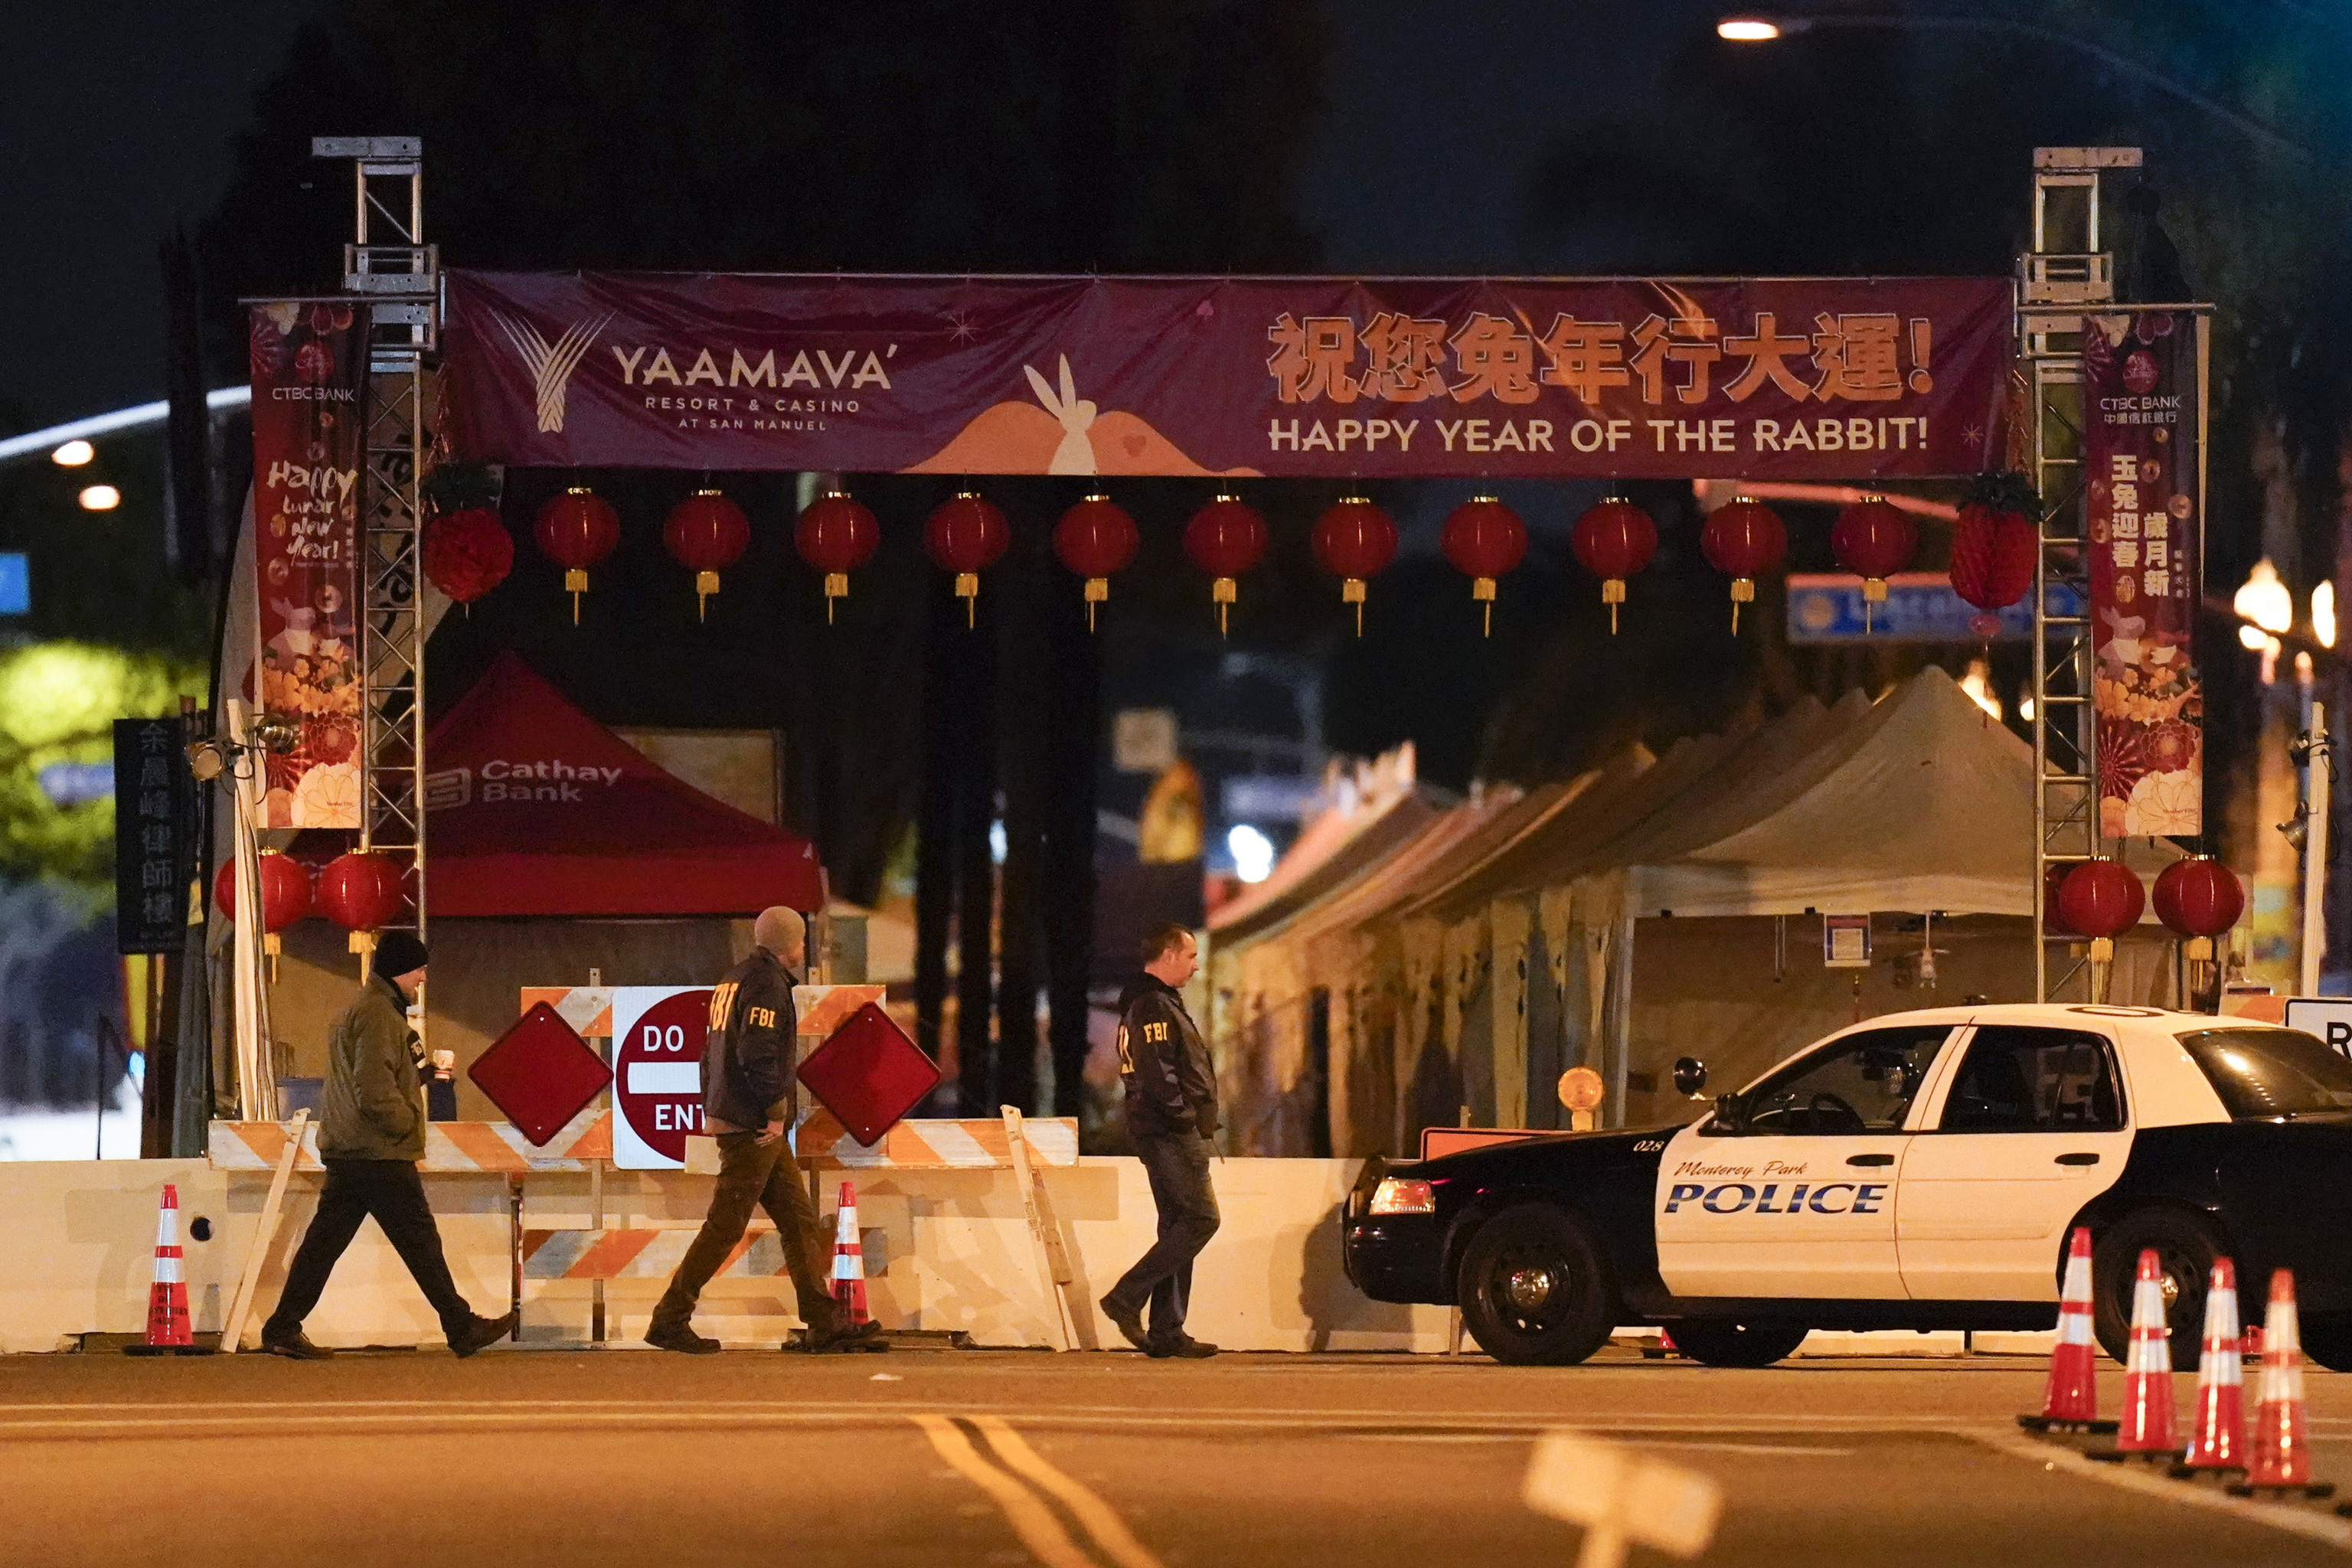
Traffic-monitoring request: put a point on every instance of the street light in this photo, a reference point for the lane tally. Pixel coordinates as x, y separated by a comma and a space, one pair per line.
73, 454
1765, 29
100, 497
2264, 600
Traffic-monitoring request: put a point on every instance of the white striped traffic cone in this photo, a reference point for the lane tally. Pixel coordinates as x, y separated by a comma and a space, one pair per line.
2219, 1443
2282, 1446
2146, 1425
2071, 1401
848, 1259
167, 1298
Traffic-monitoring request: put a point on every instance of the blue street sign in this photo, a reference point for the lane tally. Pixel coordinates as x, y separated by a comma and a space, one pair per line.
1920, 606
15, 586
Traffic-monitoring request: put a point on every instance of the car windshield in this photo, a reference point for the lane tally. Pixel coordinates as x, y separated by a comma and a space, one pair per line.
2263, 1073
1864, 1083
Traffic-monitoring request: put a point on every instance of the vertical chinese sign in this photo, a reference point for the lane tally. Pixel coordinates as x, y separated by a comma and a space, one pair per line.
2144, 469
309, 371
152, 862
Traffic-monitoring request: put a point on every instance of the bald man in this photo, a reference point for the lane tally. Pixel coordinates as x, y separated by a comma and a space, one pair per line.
748, 1095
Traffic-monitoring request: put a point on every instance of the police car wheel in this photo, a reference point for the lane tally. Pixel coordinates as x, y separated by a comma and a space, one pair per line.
2185, 1247
1736, 1344
2328, 1342
1536, 1287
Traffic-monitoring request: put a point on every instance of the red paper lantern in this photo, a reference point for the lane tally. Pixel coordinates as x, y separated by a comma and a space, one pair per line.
1613, 539
1226, 538
966, 535
1746, 539
1993, 552
362, 892
2054, 921
2101, 898
285, 894
707, 533
468, 553
2199, 899
1095, 539
1484, 539
837, 535
1354, 541
1874, 539
576, 530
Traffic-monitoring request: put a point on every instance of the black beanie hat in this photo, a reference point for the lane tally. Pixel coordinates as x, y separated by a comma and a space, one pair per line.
398, 952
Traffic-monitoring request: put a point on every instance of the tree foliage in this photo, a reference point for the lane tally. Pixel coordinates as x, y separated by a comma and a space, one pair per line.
58, 704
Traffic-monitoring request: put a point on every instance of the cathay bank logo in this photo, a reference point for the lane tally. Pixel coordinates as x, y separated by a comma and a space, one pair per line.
550, 365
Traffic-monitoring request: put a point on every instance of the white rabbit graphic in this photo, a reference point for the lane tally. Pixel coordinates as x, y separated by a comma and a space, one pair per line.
1076, 455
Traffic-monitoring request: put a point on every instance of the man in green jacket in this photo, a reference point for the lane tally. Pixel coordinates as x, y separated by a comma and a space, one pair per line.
371, 1136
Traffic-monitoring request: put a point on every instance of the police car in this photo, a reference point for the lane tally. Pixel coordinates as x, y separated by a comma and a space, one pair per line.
1920, 1171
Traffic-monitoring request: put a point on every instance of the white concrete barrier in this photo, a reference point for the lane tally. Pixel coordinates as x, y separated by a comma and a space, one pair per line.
957, 1254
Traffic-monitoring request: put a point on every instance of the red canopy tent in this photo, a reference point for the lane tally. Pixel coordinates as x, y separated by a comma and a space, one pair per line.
537, 809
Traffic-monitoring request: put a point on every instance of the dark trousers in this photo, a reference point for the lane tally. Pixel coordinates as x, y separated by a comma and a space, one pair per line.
1178, 1166
753, 1174
392, 1192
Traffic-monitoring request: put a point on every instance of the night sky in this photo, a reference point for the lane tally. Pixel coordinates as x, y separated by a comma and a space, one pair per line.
118, 121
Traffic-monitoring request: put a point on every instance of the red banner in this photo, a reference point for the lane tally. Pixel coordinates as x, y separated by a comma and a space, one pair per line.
2145, 472
1808, 378
310, 372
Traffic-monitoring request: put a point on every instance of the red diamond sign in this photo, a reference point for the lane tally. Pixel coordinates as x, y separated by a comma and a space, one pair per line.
540, 1073
870, 1074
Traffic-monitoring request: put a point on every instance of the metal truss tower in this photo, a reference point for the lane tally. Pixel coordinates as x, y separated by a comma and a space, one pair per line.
2065, 271
389, 269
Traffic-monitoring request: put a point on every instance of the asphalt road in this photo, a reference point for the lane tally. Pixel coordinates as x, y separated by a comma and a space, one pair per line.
971, 1458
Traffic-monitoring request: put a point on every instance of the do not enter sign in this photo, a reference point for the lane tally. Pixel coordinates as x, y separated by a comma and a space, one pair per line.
657, 1037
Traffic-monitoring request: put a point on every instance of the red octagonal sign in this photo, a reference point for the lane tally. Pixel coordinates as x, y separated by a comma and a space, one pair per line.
657, 1037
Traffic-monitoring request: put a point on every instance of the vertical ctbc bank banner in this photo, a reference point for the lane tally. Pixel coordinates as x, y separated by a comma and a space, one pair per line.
1311, 377
310, 380
2144, 467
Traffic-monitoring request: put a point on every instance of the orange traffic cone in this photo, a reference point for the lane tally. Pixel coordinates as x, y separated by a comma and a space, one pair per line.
2070, 1403
848, 1259
2146, 1427
167, 1296
2220, 1441
2281, 1459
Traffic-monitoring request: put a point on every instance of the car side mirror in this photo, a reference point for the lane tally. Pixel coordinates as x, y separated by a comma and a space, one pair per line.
1730, 1112
1690, 1077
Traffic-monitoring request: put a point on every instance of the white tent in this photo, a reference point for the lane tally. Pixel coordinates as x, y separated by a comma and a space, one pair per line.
1651, 913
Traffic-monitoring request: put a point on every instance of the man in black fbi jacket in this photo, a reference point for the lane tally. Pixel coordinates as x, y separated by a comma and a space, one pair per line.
747, 1100
1172, 1113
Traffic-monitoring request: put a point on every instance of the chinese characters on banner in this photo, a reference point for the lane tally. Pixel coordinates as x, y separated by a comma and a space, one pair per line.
2144, 473
309, 370
153, 796
1805, 378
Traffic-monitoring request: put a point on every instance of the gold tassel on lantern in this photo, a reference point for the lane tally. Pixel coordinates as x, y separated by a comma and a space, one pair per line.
1482, 590
1351, 592
1743, 592
1098, 592
967, 587
836, 586
705, 585
1874, 592
1612, 593
1223, 593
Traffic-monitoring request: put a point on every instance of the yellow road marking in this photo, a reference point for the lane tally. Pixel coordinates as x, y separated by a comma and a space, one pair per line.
1031, 1519
1099, 1519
